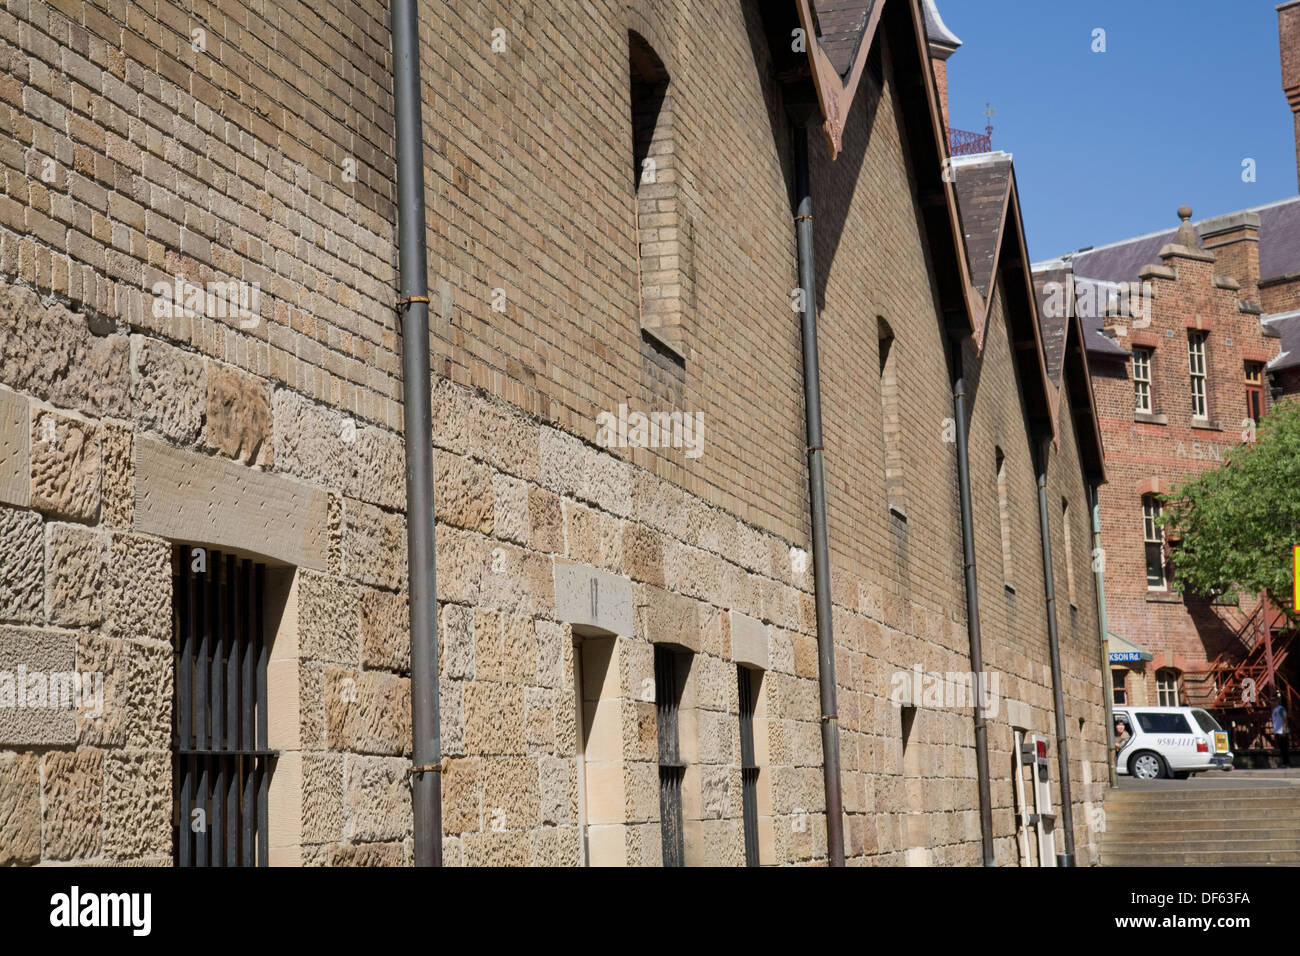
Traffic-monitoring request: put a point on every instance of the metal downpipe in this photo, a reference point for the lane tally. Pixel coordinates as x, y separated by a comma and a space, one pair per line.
972, 604
413, 316
817, 500
1054, 654
1103, 628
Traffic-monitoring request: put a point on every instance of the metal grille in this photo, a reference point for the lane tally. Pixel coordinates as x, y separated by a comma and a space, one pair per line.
748, 768
221, 765
671, 768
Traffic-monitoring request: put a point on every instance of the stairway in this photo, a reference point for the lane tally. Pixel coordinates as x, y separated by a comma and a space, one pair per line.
1240, 826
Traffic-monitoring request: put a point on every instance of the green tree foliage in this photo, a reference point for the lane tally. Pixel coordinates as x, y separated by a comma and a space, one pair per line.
1237, 523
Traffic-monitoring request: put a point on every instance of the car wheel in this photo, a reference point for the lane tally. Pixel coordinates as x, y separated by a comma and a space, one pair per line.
1147, 765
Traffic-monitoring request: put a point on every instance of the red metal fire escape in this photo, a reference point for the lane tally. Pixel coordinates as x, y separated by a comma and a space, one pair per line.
1245, 680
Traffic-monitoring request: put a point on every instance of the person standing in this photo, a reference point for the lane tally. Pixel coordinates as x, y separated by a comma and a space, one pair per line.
1280, 732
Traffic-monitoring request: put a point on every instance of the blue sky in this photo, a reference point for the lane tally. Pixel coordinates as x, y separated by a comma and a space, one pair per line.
1109, 145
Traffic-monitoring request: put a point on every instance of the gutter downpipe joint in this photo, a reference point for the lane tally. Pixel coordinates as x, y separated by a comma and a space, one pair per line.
1054, 653
972, 603
817, 500
413, 317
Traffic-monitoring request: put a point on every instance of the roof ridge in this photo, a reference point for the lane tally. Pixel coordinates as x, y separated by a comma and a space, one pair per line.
1161, 232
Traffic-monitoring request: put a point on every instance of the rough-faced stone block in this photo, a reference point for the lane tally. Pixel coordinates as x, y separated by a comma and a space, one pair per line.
183, 496
118, 482
367, 712
22, 566
643, 554
378, 802
238, 423
332, 449
590, 598
509, 793
367, 854
65, 471
15, 449
462, 795
510, 514
51, 353
322, 797
168, 390
494, 848
462, 492
138, 595
137, 804
328, 619
20, 808
385, 631
74, 802
149, 695
106, 660
456, 642
374, 545
76, 558
494, 719
546, 521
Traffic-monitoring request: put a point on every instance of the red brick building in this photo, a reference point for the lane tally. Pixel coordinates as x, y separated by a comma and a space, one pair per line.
1192, 334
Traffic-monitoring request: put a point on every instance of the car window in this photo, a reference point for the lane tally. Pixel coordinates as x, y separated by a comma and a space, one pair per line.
1159, 723
1205, 721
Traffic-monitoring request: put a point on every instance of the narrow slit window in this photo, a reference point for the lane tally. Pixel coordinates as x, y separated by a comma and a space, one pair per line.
220, 758
891, 420
1069, 552
662, 228
1004, 517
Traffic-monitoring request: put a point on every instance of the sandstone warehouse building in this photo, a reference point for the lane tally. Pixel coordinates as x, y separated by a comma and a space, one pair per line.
744, 215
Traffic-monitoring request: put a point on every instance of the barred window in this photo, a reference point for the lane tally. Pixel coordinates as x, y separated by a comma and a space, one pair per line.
669, 666
221, 764
749, 680
1142, 379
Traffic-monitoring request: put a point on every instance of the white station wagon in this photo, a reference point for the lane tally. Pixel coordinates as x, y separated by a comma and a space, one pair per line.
1169, 742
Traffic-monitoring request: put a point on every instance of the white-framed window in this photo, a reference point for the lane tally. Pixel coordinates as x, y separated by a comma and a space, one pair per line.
1142, 379
1196, 369
1167, 687
1153, 537
1119, 681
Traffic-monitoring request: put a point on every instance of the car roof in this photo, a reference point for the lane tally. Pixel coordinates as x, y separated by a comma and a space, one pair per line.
1165, 710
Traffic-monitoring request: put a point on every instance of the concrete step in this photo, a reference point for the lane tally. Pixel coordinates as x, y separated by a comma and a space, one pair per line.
1128, 833
1191, 794
1136, 844
1219, 858
1254, 814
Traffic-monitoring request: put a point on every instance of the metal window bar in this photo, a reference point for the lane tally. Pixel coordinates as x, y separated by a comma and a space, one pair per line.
221, 762
748, 765
671, 768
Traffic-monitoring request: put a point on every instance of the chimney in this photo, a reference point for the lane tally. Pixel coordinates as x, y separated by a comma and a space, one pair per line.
1234, 238
1288, 30
943, 44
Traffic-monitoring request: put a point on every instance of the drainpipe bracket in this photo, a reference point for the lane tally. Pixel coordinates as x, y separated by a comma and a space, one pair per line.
404, 302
